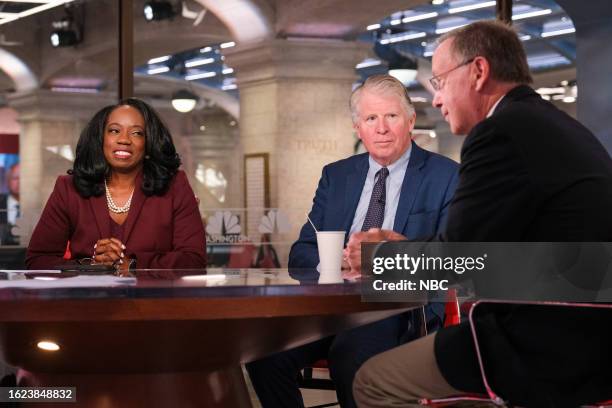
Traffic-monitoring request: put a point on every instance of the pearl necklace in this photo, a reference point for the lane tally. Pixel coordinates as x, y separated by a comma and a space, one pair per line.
114, 207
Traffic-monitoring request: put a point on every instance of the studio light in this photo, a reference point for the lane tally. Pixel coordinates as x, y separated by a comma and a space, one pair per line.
64, 38
401, 67
65, 32
184, 101
404, 75
158, 10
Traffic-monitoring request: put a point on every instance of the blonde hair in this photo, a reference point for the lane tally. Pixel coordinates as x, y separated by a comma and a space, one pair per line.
381, 84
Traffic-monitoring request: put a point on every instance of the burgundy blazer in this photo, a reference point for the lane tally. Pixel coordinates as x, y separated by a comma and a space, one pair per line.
160, 231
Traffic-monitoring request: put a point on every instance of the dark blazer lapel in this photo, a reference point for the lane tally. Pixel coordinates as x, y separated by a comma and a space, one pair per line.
410, 187
100, 210
354, 186
138, 200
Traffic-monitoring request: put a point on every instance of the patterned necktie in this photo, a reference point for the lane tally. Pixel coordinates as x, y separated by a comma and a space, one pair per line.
376, 210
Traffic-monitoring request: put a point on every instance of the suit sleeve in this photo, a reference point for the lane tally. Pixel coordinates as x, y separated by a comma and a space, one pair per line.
448, 197
189, 241
304, 252
50, 237
495, 199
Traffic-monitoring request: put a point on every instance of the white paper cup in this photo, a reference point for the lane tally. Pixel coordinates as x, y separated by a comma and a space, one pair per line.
330, 245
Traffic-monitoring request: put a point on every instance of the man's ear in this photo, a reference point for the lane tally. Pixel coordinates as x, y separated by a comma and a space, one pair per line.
412, 121
356, 128
482, 70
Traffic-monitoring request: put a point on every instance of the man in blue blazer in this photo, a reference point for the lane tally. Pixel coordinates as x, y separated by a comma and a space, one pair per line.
396, 185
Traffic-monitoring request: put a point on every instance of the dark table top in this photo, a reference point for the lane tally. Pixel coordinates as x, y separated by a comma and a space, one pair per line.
167, 283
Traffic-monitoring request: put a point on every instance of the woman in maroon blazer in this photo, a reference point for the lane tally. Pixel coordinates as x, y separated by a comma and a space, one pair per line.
125, 203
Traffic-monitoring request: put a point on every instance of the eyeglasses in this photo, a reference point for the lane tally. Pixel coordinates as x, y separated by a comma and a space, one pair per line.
436, 81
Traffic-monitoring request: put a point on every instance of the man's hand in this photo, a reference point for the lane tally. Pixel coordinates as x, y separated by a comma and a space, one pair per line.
352, 252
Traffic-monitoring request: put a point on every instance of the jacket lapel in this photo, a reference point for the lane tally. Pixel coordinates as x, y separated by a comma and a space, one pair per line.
354, 185
100, 210
138, 200
410, 187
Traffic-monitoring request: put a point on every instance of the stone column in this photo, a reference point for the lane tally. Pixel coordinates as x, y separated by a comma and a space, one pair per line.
51, 123
294, 106
593, 59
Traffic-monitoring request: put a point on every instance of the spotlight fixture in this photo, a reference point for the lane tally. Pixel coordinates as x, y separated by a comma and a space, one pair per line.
401, 67
65, 33
157, 10
184, 101
63, 38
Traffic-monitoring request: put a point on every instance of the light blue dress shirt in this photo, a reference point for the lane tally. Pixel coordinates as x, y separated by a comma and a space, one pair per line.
393, 186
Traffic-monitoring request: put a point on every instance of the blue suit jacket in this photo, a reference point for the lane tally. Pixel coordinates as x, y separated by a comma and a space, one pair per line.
427, 189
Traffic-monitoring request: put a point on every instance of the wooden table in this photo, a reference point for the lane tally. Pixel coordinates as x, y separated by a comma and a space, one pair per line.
172, 339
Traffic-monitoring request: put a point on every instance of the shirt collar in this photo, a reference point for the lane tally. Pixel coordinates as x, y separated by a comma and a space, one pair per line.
495, 106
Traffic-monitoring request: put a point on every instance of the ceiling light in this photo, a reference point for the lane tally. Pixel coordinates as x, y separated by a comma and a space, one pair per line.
198, 62
158, 10
227, 71
200, 75
373, 27
74, 89
530, 14
48, 345
184, 101
477, 6
227, 44
447, 29
403, 37
229, 87
405, 76
369, 62
157, 70
404, 70
425, 16
437, 2
158, 60
558, 32
34, 10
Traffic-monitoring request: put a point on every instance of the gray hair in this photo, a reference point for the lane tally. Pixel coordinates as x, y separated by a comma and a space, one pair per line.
381, 84
498, 43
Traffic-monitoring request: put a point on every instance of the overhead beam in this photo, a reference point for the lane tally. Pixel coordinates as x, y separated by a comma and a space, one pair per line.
126, 47
503, 11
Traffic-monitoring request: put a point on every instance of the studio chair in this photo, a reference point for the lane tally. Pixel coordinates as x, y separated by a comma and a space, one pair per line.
307, 381
491, 399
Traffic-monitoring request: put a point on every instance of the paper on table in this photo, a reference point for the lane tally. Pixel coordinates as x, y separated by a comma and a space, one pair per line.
85, 281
